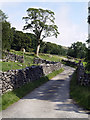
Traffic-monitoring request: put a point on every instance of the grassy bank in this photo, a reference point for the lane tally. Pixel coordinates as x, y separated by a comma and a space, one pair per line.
13, 96
80, 94
50, 57
28, 61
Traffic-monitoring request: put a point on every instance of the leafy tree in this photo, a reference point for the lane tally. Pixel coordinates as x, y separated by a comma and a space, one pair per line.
3, 17
77, 50
52, 48
41, 23
20, 40
88, 55
88, 49
89, 19
6, 31
89, 15
88, 59
33, 41
7, 36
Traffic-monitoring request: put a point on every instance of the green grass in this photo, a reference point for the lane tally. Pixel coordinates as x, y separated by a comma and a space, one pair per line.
13, 96
11, 66
49, 57
81, 94
28, 57
28, 61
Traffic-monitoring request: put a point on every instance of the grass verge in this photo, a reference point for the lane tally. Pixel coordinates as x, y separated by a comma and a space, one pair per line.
81, 94
50, 57
13, 96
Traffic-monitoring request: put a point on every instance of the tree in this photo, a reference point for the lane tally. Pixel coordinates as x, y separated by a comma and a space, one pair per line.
89, 15
52, 48
7, 36
33, 42
77, 50
6, 31
20, 40
3, 17
88, 49
41, 23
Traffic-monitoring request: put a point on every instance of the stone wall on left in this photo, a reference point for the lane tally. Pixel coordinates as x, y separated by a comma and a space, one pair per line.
16, 78
12, 57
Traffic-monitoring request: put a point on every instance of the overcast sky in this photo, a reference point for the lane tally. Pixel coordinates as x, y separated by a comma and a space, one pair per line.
71, 18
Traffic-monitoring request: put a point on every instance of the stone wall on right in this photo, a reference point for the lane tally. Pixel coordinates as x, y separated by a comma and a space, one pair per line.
83, 77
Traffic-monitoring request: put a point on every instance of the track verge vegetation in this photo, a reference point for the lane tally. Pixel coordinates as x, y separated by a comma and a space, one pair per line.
15, 95
81, 94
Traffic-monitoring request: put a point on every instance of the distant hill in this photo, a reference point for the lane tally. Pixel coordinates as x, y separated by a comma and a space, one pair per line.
65, 47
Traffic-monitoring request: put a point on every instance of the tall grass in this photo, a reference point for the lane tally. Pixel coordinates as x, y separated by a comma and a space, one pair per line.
81, 94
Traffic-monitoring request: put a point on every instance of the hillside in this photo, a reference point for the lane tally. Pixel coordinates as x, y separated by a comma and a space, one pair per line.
64, 47
28, 60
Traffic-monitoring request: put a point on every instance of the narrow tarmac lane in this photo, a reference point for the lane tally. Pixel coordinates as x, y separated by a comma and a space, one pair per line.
50, 100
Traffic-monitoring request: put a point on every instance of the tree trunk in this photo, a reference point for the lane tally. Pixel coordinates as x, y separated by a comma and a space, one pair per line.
37, 51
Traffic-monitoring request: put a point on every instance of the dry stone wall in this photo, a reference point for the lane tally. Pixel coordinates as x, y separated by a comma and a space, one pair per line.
40, 61
16, 78
83, 77
70, 62
13, 57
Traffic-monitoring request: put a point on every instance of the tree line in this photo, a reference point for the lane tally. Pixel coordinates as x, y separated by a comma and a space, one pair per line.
14, 39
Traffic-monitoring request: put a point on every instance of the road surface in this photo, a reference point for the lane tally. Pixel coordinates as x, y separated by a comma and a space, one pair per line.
51, 100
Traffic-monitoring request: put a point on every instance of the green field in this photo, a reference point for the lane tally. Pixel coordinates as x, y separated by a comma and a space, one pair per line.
49, 57
28, 60
79, 93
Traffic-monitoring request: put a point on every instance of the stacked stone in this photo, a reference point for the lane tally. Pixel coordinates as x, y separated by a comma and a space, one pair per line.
40, 61
83, 77
49, 68
16, 78
70, 62
13, 57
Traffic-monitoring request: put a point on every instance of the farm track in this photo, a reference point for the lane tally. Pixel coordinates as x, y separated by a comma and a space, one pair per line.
51, 100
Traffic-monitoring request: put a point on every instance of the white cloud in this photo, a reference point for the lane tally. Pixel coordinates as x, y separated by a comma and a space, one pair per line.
69, 31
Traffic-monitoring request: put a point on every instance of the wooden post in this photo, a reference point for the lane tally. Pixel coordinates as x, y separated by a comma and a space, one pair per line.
23, 54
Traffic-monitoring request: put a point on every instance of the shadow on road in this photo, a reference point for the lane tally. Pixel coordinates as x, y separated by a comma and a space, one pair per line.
55, 91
